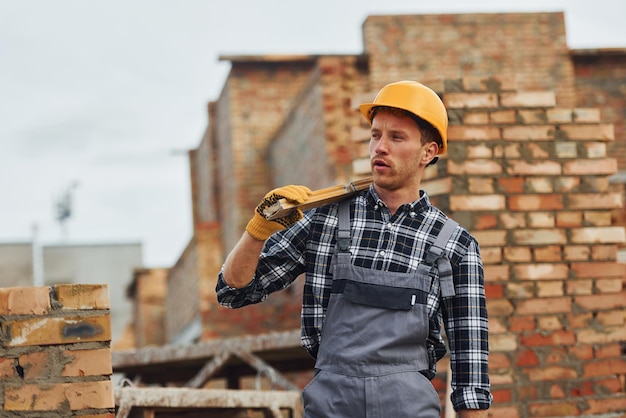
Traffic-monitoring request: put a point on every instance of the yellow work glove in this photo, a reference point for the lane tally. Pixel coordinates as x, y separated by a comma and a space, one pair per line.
260, 228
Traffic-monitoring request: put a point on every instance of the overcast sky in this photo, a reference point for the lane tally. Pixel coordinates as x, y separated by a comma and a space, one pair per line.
104, 98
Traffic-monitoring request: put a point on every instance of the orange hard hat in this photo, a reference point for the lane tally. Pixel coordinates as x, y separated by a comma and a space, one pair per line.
415, 98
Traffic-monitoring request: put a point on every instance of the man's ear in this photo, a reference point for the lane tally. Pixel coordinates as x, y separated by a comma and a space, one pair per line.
430, 153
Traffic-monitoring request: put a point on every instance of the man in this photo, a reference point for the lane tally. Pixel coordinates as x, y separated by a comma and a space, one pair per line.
384, 269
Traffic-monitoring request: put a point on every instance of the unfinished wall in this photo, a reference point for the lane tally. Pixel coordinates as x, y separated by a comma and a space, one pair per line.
531, 46
530, 180
54, 356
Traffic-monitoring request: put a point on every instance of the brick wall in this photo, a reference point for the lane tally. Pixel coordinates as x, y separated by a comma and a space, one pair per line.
530, 180
601, 83
55, 356
531, 46
254, 103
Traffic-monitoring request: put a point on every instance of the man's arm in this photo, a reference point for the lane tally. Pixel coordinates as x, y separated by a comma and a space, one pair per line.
472, 413
241, 263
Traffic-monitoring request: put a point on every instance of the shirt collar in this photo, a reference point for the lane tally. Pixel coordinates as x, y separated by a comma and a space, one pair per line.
417, 206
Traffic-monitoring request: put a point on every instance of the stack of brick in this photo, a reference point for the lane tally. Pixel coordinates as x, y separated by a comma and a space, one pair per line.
55, 358
530, 180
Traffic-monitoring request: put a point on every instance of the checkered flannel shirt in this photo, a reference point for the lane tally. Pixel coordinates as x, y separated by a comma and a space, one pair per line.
395, 243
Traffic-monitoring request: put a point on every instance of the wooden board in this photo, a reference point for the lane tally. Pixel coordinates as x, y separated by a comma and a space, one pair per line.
318, 198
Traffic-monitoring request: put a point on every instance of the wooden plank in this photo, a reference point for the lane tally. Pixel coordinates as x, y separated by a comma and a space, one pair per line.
318, 198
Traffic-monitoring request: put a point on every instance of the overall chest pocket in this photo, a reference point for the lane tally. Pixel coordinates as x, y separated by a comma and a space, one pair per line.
381, 296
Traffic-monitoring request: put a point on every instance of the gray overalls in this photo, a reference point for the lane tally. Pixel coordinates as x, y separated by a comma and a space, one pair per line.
373, 343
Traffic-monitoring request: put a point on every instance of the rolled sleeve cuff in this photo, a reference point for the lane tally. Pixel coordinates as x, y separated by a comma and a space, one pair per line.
231, 297
471, 398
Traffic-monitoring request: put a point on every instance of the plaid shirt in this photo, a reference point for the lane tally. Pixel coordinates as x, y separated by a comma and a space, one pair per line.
395, 243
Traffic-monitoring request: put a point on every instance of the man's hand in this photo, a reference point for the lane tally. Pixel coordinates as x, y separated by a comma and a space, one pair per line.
260, 228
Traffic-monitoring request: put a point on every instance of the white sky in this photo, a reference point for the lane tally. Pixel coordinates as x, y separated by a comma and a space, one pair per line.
110, 96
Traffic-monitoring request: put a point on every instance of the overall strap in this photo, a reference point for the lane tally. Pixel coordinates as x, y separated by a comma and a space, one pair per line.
343, 230
437, 255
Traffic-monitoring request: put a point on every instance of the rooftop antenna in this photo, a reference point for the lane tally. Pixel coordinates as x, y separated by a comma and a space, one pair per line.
63, 208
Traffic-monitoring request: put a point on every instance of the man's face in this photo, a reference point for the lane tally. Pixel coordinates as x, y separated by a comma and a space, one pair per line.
396, 151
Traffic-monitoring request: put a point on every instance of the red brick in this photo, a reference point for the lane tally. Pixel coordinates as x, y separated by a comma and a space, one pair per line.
553, 409
473, 133
579, 287
521, 323
470, 100
541, 374
513, 220
576, 252
528, 99
524, 168
604, 252
494, 290
510, 184
608, 367
600, 201
543, 306
83, 296
550, 288
569, 219
550, 323
611, 318
503, 342
476, 118
499, 117
526, 358
559, 115
581, 352
607, 405
490, 238
598, 235
539, 184
7, 368
481, 185
75, 396
535, 202
588, 132
526, 133
491, 255
606, 335
520, 290
599, 269
597, 218
501, 395
586, 115
539, 236
499, 307
606, 166
595, 150
56, 330
517, 254
477, 202
496, 272
601, 301
95, 362
548, 339
499, 361
547, 254
474, 167
541, 220
532, 116
24, 300
478, 151
541, 271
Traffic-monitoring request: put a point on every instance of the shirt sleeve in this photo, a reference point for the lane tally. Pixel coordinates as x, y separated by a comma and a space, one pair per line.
280, 263
466, 324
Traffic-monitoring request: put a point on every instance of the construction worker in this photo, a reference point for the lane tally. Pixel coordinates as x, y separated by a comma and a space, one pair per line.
384, 270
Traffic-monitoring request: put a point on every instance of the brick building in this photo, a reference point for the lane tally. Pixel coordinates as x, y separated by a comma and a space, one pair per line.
535, 170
